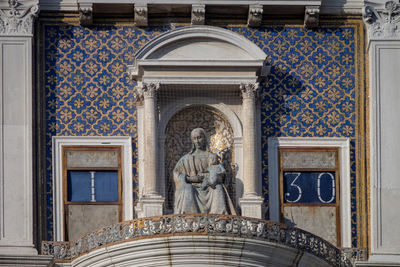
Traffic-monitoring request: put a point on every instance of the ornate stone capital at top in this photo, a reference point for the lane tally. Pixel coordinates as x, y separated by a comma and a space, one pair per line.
17, 20
146, 90
249, 90
382, 21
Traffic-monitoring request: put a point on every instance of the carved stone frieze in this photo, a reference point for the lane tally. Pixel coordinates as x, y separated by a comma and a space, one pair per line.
249, 90
86, 14
141, 15
382, 20
198, 14
311, 17
17, 19
210, 225
255, 15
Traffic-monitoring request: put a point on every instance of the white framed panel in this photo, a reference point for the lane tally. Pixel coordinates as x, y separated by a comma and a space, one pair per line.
344, 162
127, 195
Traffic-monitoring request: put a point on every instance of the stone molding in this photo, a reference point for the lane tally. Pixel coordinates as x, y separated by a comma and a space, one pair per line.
311, 16
141, 12
198, 14
17, 20
255, 15
200, 224
382, 21
249, 90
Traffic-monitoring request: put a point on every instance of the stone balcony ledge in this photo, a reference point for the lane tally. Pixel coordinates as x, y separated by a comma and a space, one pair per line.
235, 227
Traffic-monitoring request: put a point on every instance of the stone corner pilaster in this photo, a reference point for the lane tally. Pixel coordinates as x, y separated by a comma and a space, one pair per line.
382, 20
252, 206
18, 19
150, 205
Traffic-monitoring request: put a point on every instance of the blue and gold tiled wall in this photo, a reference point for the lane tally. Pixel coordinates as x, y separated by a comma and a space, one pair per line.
311, 91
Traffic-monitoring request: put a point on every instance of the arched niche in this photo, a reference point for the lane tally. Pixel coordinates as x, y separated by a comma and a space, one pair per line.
198, 65
177, 143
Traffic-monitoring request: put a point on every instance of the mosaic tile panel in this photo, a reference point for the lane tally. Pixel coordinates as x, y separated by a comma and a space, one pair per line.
310, 91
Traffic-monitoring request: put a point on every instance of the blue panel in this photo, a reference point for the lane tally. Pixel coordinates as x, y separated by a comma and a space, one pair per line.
79, 186
309, 187
106, 186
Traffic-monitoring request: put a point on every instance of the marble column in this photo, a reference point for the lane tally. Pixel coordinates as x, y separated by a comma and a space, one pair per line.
151, 202
251, 202
16, 179
383, 29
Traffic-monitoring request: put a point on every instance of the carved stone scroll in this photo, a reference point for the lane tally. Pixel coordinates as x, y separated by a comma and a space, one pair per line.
198, 14
311, 17
17, 19
141, 15
382, 21
255, 15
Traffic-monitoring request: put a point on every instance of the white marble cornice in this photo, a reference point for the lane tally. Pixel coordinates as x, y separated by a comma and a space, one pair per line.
17, 19
382, 20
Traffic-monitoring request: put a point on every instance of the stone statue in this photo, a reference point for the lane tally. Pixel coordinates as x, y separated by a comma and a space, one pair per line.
199, 180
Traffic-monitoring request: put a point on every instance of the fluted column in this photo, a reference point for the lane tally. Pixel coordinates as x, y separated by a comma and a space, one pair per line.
251, 202
151, 202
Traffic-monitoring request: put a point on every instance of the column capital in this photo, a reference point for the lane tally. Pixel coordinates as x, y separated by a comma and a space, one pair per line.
382, 20
146, 90
249, 90
17, 19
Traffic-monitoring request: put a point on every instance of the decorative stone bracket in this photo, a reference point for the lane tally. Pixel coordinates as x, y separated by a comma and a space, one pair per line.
199, 7
311, 17
17, 19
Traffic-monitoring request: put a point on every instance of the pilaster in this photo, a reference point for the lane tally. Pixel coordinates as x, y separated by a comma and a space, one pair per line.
16, 200
382, 22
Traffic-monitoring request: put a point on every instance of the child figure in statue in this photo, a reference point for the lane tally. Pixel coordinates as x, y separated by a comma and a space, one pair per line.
215, 173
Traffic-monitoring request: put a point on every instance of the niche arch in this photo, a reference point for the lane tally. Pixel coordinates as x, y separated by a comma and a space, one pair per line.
177, 143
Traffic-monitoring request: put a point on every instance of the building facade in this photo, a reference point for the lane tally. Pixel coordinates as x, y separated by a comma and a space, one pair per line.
297, 98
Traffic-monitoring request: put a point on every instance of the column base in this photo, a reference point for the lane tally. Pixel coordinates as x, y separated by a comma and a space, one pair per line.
252, 206
150, 205
26, 260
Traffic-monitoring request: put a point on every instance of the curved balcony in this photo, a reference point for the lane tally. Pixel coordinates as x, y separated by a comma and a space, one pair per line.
197, 240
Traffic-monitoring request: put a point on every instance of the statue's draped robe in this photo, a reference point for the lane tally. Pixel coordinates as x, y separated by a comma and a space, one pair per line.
190, 198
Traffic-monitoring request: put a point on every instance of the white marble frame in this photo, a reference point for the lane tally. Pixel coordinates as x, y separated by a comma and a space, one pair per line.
344, 158
127, 195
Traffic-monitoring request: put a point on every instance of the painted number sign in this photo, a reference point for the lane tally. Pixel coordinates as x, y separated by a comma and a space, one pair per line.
309, 187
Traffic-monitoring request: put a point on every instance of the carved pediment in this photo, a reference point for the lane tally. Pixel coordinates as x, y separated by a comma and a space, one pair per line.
200, 49
199, 54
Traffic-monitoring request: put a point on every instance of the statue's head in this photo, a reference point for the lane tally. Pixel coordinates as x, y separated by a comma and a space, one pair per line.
199, 139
